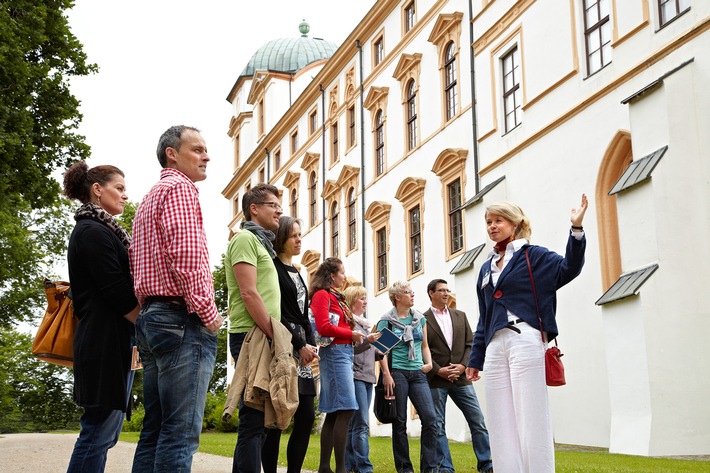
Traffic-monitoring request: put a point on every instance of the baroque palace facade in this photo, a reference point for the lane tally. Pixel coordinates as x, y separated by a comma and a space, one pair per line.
379, 148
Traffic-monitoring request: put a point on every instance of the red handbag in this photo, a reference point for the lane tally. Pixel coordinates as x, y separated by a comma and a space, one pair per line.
554, 369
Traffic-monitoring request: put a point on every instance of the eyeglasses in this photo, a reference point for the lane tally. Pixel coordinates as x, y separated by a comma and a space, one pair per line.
443, 291
408, 292
273, 205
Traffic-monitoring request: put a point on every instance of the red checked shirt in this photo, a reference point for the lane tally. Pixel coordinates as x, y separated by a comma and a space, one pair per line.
169, 255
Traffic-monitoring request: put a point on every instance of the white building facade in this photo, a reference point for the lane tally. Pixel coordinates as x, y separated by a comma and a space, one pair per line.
376, 149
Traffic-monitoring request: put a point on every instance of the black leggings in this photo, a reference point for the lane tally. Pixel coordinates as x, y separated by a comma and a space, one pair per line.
332, 440
297, 444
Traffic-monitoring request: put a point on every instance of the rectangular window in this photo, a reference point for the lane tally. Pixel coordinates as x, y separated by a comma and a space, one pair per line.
381, 237
334, 227
236, 209
415, 240
313, 198
597, 33
277, 160
294, 142
409, 15
455, 217
351, 126
334, 142
352, 220
378, 50
262, 174
411, 116
379, 143
237, 146
669, 9
511, 90
312, 122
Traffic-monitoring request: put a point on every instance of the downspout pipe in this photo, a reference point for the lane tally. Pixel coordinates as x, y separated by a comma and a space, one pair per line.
474, 123
322, 159
362, 167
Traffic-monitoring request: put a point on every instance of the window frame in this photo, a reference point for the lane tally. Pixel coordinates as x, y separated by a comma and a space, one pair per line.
378, 50
450, 81
277, 159
293, 140
411, 115
455, 217
514, 92
313, 122
313, 199
352, 219
598, 29
415, 240
334, 146
352, 128
679, 10
409, 17
335, 228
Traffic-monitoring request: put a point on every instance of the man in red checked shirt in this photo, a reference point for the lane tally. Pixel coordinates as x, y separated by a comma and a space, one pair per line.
176, 330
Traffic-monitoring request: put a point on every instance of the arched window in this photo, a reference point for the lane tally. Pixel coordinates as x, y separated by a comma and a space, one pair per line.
411, 115
379, 143
312, 198
334, 224
294, 202
450, 87
352, 220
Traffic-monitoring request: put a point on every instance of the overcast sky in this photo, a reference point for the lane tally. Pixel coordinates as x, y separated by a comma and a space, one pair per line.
170, 62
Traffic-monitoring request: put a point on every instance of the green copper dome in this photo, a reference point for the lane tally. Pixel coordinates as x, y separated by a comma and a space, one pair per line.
290, 54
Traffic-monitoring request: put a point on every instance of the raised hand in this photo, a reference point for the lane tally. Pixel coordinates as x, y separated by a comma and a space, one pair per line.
578, 213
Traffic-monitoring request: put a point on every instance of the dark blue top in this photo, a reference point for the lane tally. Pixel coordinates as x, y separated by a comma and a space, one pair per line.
513, 292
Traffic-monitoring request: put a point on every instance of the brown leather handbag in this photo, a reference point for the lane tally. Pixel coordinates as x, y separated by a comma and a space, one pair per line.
54, 342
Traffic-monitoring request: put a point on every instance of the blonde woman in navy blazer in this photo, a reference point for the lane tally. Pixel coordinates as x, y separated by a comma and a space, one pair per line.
508, 343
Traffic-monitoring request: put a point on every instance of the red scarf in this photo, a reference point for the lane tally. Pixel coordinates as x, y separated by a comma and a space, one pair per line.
343, 306
502, 245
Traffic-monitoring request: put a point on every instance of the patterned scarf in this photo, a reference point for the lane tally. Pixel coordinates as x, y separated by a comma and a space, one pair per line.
95, 212
266, 237
343, 306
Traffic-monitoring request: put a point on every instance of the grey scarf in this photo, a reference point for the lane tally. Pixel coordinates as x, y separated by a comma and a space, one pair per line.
407, 336
266, 237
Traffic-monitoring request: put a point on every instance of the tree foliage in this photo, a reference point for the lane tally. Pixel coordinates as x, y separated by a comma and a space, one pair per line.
38, 121
34, 395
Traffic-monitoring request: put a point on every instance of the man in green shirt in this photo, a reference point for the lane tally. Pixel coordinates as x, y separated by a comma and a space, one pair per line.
254, 299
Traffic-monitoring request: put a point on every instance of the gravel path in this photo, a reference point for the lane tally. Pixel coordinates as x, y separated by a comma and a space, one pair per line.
40, 453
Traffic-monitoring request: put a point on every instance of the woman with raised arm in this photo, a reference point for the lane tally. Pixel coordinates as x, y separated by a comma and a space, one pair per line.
508, 342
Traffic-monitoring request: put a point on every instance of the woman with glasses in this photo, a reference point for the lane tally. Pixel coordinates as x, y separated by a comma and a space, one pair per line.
406, 378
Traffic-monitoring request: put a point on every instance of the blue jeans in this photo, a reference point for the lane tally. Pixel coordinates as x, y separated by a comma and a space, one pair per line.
251, 433
413, 384
100, 428
465, 399
357, 448
178, 355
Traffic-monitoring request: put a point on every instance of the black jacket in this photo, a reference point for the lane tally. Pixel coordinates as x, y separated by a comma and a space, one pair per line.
102, 290
291, 316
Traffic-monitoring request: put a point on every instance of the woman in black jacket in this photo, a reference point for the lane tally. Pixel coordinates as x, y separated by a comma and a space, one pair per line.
294, 315
104, 302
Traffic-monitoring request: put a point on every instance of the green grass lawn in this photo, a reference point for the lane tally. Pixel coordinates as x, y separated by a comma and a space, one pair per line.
569, 459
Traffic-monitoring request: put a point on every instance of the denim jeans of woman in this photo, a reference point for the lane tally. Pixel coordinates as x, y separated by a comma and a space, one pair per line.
413, 384
357, 450
100, 429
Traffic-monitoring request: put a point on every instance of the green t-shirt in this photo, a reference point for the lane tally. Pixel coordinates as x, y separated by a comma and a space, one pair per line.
245, 247
400, 353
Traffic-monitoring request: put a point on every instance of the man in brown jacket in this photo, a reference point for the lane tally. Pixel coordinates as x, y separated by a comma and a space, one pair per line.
450, 338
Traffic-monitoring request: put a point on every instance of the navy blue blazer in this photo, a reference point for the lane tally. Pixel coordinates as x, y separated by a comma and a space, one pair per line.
513, 292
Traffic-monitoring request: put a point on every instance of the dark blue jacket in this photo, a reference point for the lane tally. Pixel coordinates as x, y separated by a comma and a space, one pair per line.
513, 292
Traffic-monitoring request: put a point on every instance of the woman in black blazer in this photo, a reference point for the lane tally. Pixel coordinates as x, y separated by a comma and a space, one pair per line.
294, 315
104, 302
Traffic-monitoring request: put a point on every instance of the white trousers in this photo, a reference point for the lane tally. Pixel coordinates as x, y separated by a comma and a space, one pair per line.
519, 423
